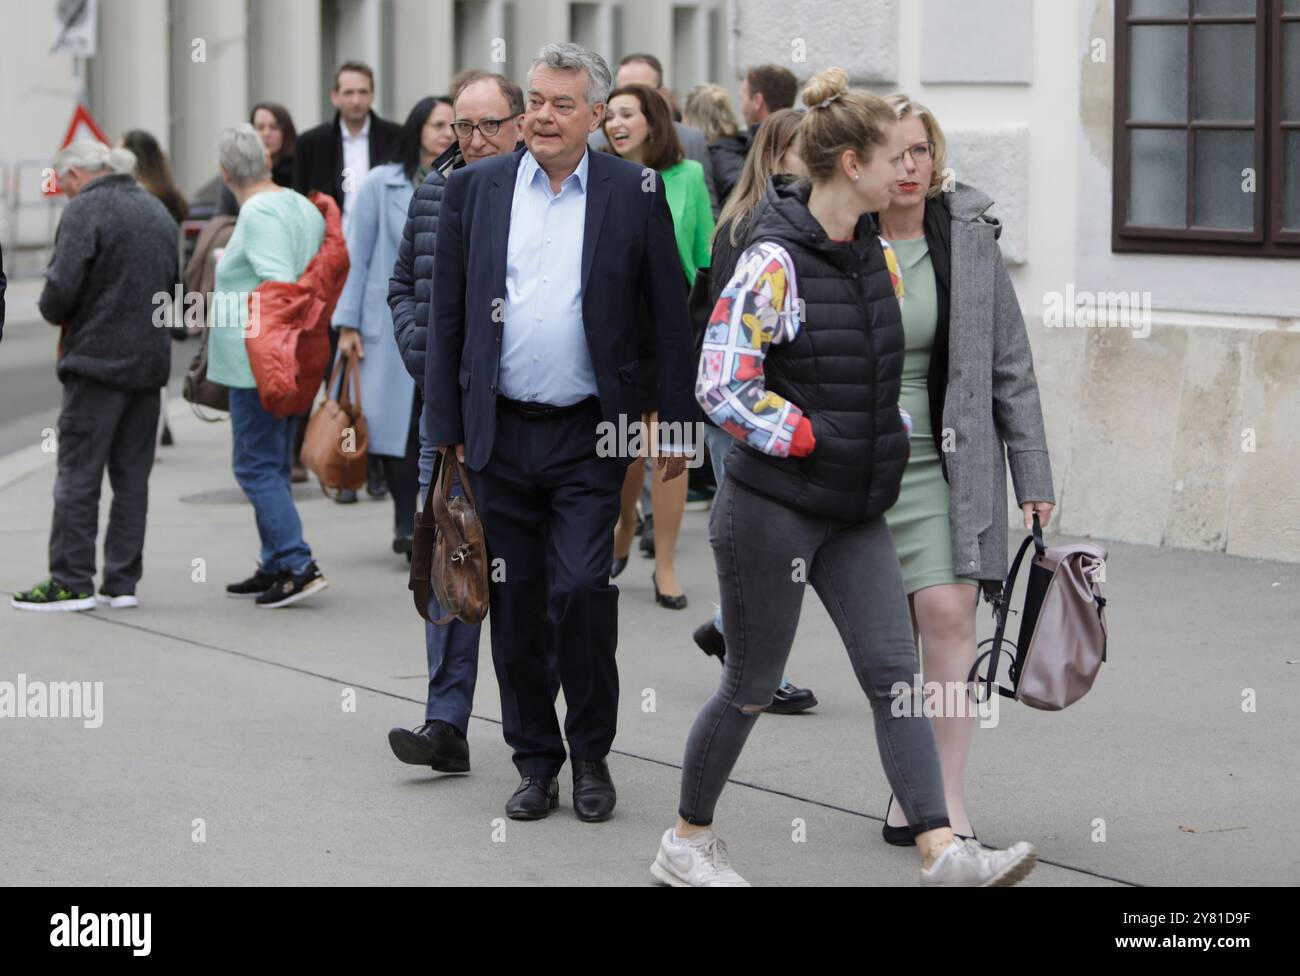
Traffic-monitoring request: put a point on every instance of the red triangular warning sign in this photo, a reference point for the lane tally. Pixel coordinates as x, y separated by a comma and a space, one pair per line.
82, 126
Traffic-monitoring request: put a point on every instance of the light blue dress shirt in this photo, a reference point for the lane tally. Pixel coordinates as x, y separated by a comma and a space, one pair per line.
544, 354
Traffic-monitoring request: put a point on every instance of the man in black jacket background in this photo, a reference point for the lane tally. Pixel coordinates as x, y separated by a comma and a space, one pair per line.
335, 156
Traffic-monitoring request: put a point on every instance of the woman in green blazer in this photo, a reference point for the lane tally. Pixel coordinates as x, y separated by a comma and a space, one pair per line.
639, 128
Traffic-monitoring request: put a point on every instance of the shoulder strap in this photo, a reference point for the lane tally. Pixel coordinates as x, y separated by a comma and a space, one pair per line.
1001, 609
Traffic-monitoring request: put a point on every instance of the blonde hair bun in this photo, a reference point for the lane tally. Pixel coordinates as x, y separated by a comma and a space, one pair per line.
825, 84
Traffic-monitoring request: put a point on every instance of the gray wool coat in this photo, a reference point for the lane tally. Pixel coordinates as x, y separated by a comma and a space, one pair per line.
992, 405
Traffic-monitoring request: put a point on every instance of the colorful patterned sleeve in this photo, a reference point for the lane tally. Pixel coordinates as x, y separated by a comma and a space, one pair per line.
758, 307
896, 279
895, 273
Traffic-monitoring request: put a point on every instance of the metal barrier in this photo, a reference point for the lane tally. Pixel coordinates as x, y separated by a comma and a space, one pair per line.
13, 181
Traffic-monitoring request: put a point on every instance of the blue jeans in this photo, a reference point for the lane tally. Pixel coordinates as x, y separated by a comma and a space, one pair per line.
260, 444
451, 649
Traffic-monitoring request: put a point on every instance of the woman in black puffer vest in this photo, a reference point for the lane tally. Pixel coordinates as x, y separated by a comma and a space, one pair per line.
802, 363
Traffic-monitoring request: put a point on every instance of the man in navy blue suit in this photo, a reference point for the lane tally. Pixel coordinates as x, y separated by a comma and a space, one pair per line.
543, 258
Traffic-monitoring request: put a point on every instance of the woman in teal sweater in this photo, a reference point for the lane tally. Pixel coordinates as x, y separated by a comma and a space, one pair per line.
277, 235
639, 127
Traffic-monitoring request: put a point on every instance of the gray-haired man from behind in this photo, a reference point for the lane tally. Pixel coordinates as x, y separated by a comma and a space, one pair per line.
114, 254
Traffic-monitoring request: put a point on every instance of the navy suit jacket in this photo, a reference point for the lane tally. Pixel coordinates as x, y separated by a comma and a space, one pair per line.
629, 255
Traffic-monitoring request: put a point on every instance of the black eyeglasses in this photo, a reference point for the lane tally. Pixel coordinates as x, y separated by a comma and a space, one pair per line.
489, 127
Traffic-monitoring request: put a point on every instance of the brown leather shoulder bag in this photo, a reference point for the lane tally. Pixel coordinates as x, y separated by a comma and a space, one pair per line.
449, 552
334, 446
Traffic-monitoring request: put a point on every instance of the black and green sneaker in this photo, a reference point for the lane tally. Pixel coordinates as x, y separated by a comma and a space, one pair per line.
50, 596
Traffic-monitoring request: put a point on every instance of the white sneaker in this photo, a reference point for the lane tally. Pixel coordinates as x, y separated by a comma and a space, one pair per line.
123, 602
698, 861
967, 864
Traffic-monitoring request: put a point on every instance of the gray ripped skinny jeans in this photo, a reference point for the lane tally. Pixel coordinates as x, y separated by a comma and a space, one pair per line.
764, 552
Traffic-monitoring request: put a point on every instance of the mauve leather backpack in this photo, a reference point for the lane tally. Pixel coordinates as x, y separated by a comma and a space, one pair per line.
1062, 641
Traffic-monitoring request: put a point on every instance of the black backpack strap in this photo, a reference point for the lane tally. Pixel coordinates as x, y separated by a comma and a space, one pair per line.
1001, 610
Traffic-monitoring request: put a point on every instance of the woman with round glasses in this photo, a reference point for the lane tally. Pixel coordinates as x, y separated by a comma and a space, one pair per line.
968, 383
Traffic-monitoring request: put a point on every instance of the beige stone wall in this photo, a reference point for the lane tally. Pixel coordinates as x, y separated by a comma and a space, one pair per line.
1188, 437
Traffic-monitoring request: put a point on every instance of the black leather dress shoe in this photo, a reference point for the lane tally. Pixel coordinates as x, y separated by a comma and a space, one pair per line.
436, 744
534, 799
790, 700
710, 640
593, 790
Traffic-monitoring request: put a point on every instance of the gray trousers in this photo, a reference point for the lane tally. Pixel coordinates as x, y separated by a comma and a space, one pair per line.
101, 427
765, 552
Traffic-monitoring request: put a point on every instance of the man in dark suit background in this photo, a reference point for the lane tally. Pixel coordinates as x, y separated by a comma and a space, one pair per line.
335, 156
542, 257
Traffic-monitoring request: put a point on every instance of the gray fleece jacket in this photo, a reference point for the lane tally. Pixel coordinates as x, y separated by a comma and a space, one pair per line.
115, 255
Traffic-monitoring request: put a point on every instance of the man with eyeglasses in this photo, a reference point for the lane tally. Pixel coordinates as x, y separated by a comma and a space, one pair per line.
489, 109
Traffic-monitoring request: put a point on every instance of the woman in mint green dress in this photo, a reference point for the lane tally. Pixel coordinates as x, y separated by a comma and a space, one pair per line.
968, 382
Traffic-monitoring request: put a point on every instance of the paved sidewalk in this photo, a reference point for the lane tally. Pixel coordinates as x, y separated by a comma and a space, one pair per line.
216, 711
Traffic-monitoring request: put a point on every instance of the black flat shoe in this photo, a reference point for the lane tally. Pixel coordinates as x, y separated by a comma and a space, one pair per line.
535, 797
648, 537
710, 640
671, 602
593, 790
897, 836
791, 700
902, 836
436, 744
619, 564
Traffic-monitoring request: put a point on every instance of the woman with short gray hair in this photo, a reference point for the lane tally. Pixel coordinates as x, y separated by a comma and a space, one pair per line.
968, 383
277, 234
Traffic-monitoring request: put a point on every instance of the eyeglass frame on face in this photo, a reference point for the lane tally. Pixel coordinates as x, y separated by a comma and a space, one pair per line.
481, 125
928, 146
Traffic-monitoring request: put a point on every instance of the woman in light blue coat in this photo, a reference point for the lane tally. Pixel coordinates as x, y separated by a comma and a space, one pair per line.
365, 324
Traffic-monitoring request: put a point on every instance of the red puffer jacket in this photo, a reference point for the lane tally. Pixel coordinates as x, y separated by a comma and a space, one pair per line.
290, 348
